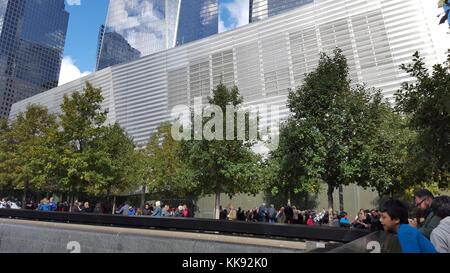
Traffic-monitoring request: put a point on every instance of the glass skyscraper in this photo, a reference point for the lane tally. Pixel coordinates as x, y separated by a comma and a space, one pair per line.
197, 20
32, 42
137, 28
261, 9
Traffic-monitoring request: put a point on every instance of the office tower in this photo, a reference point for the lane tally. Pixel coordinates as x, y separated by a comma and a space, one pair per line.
137, 28
32, 42
258, 10
261, 9
197, 20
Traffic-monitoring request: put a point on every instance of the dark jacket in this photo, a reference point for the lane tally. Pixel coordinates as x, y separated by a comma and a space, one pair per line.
146, 212
289, 212
86, 210
430, 223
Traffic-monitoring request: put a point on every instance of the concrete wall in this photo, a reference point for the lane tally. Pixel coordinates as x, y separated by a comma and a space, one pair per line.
18, 236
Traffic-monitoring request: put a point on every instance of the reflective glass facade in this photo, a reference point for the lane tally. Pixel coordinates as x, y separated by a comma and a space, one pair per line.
197, 20
137, 28
32, 42
261, 9
276, 7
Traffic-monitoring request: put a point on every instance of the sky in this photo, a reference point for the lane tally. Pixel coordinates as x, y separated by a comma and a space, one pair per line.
86, 17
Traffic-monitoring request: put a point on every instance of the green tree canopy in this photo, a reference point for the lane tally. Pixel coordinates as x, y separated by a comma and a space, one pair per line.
29, 149
426, 100
329, 133
223, 166
166, 173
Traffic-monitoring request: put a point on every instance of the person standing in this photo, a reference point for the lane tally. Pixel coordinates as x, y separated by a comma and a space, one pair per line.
76, 207
394, 218
44, 205
262, 213
98, 209
281, 216
440, 236
289, 212
272, 213
232, 215
186, 212
86, 208
157, 211
423, 199
52, 204
124, 209
344, 221
146, 211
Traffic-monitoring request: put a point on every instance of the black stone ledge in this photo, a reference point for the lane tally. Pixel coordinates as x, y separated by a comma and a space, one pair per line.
301, 232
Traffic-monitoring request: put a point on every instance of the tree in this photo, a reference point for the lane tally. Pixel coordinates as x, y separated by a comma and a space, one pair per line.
5, 155
296, 166
82, 124
385, 160
331, 125
426, 101
30, 150
222, 166
111, 163
167, 173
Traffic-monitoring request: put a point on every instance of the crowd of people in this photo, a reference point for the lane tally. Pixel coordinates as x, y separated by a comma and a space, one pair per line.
10, 203
428, 231
366, 219
156, 210
150, 209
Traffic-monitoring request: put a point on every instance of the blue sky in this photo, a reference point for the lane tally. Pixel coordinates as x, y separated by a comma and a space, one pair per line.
86, 16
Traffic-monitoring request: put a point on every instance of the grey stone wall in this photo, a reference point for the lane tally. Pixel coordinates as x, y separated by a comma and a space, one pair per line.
17, 236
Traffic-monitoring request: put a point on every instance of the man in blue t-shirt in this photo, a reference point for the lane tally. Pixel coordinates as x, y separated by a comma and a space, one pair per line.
394, 218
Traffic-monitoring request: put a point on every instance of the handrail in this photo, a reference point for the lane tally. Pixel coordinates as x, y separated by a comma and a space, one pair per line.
316, 233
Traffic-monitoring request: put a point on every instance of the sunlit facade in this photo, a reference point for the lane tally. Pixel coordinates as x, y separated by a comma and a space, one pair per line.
263, 59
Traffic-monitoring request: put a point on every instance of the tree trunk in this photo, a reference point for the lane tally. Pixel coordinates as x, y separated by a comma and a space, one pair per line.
114, 205
289, 197
143, 197
70, 202
217, 206
341, 198
330, 197
25, 191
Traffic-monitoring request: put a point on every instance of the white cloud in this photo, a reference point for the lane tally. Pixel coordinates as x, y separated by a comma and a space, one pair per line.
73, 2
239, 11
142, 24
222, 27
69, 71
